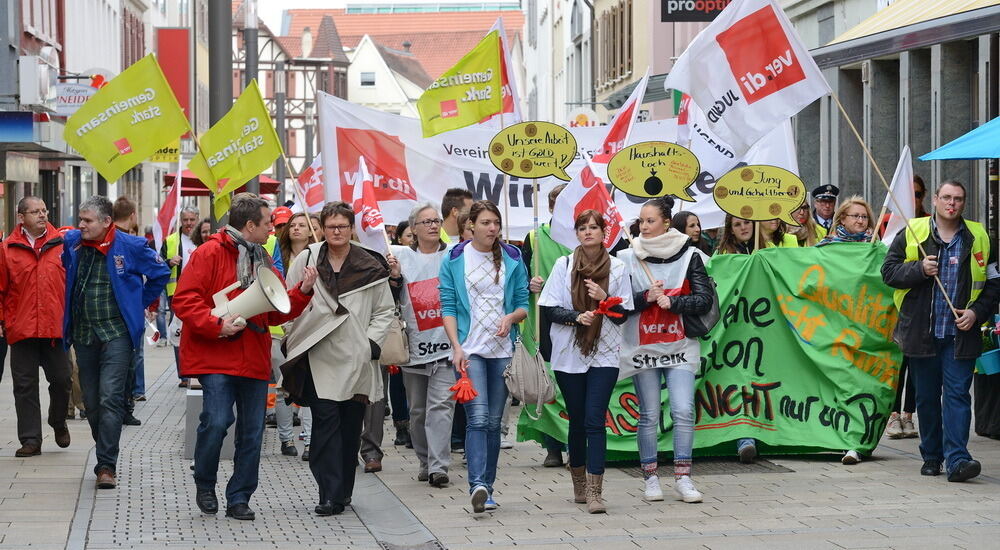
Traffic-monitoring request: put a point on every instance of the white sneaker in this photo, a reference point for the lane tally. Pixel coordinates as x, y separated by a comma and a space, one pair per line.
685, 490
850, 457
506, 444
894, 428
653, 491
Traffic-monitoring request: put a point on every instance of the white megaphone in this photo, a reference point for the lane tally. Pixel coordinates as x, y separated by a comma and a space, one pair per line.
267, 293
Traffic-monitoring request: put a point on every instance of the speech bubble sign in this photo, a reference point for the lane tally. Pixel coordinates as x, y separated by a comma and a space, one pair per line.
760, 192
654, 169
533, 149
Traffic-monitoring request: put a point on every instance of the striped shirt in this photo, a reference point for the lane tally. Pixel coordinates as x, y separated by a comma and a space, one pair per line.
949, 256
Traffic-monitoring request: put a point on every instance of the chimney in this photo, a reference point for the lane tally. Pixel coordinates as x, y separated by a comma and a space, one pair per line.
307, 42
406, 45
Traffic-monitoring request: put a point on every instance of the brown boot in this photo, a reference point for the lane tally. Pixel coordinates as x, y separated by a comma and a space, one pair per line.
28, 449
595, 504
579, 475
62, 436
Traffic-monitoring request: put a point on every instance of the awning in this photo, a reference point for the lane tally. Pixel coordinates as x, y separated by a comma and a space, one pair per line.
910, 24
981, 143
191, 186
909, 12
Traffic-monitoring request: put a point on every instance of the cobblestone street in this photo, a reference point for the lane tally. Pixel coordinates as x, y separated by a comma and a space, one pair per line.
785, 502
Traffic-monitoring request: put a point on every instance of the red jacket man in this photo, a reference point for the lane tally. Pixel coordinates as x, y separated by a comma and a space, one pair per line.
232, 363
32, 296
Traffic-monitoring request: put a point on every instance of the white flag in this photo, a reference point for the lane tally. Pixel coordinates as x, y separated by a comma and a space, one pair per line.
902, 190
748, 71
369, 223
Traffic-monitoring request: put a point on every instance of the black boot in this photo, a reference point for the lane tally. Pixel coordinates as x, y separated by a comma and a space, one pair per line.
402, 433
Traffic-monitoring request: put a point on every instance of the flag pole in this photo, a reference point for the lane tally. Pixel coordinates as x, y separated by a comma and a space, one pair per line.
534, 259
302, 200
506, 194
878, 221
871, 159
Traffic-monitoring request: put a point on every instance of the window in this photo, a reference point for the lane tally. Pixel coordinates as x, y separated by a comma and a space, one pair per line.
614, 44
367, 78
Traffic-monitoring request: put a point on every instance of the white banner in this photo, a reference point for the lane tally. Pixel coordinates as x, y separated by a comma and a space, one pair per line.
407, 167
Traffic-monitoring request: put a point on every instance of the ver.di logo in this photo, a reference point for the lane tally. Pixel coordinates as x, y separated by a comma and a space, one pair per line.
760, 55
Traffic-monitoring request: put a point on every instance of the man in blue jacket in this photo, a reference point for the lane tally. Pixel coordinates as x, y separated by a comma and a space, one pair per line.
111, 277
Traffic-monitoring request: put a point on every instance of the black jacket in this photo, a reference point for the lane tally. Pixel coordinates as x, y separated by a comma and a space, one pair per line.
914, 332
699, 301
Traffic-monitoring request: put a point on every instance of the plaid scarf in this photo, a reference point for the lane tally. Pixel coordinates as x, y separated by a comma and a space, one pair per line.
250, 256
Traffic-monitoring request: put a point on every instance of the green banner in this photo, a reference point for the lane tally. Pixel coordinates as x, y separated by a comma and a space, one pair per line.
802, 360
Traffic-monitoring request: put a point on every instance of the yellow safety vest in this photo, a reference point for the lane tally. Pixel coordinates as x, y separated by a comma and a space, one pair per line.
272, 241
921, 230
787, 241
173, 246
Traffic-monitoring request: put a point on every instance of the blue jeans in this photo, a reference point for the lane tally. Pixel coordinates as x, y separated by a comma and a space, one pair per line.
139, 368
649, 387
944, 423
103, 372
220, 393
482, 432
586, 395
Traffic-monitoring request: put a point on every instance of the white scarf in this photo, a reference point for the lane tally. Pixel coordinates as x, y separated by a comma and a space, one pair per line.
663, 246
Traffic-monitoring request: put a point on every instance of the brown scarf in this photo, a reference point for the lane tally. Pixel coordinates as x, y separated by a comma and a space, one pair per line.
597, 269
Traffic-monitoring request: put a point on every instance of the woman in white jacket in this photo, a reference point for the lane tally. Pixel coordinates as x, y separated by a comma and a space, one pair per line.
327, 369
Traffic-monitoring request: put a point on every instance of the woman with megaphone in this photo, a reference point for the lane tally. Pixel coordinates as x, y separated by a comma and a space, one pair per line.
327, 369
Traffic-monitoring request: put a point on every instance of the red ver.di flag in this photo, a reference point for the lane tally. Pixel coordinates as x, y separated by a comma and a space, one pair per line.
369, 222
310, 194
748, 71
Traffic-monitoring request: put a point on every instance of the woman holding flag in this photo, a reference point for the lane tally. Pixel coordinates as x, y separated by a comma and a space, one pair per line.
668, 281
585, 348
484, 294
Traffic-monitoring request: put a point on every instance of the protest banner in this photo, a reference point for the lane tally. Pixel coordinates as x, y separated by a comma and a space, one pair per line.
533, 150
760, 193
241, 145
465, 94
127, 120
802, 359
748, 71
654, 169
408, 167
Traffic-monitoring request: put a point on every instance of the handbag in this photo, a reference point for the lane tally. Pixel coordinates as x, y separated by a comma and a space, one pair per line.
528, 381
698, 325
396, 346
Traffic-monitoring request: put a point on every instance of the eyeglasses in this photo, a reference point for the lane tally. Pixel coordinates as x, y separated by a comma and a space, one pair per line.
859, 217
338, 228
39, 212
430, 222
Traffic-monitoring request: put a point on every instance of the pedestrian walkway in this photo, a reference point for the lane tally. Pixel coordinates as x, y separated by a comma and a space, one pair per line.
49, 501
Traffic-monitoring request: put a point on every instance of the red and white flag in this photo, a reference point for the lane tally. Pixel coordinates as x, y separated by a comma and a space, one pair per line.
170, 210
902, 190
748, 71
369, 222
310, 193
587, 191
511, 111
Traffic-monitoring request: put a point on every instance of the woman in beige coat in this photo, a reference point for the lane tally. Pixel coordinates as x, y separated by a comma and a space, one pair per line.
338, 374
